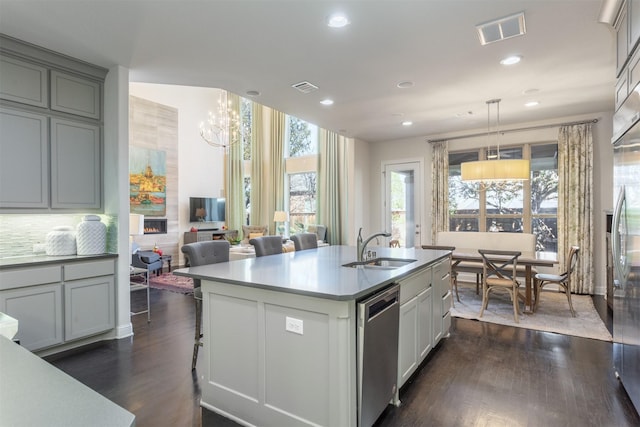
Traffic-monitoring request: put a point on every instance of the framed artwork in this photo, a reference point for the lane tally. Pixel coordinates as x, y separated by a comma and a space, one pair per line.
147, 181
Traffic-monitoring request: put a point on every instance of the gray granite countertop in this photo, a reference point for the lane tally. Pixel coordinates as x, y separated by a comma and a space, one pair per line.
35, 393
33, 260
315, 272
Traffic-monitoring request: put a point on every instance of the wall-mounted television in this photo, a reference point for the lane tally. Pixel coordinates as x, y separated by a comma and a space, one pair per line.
206, 209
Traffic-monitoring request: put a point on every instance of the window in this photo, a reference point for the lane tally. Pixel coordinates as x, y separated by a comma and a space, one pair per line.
302, 138
544, 195
515, 207
246, 121
300, 183
302, 201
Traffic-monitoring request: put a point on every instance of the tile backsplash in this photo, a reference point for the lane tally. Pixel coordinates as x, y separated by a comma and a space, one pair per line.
19, 233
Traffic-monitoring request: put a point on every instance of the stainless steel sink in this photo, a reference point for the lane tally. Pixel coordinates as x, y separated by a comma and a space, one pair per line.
380, 263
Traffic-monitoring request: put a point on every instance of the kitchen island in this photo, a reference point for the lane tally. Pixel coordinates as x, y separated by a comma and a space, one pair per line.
280, 332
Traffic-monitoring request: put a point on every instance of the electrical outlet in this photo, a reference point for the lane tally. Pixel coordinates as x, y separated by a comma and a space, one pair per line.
294, 325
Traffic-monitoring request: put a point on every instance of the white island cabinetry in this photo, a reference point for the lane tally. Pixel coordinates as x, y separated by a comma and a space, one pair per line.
416, 312
281, 332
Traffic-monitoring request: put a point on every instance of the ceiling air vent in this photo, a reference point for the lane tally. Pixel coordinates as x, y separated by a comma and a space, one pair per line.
305, 87
501, 29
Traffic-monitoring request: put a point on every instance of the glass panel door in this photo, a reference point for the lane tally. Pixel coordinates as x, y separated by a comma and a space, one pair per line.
401, 205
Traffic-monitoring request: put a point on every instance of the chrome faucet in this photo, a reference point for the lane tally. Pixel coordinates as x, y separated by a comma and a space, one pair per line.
362, 246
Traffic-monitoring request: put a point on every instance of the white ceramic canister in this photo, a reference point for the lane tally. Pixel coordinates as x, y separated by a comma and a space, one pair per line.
91, 236
61, 241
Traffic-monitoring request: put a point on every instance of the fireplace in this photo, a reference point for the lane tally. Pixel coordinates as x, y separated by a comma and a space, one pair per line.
155, 226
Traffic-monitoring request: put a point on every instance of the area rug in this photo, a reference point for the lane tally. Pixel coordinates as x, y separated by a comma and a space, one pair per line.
553, 314
170, 282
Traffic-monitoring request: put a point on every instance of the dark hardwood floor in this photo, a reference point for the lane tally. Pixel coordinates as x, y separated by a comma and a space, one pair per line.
482, 375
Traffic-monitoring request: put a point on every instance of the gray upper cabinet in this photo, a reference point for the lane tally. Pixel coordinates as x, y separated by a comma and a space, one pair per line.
23, 82
633, 12
74, 95
50, 130
75, 165
622, 40
24, 159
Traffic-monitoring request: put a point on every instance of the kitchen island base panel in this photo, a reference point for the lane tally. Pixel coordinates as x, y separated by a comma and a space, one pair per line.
259, 369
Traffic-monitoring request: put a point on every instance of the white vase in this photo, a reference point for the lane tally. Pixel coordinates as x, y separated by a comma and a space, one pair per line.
91, 236
61, 241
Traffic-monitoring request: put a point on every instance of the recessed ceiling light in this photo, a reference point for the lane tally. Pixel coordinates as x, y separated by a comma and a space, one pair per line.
252, 93
405, 84
407, 123
511, 60
531, 103
327, 101
338, 20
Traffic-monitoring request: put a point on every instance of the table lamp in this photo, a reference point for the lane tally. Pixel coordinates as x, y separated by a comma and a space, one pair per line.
281, 217
136, 228
201, 213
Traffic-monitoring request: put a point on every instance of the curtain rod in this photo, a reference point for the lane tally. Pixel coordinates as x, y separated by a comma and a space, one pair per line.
473, 135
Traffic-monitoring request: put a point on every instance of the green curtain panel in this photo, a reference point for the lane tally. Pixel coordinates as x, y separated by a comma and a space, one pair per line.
575, 202
332, 203
234, 188
257, 158
276, 155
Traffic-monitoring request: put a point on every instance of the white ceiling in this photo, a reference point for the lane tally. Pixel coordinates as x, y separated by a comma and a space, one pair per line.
269, 45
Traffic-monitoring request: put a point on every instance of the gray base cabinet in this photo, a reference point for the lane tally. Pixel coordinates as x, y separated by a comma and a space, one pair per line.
83, 316
59, 303
39, 313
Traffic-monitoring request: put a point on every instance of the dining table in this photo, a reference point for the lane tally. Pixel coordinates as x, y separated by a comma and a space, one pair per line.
526, 259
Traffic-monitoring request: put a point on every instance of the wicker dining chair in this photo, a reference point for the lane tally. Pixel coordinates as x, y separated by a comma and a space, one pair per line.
499, 272
563, 280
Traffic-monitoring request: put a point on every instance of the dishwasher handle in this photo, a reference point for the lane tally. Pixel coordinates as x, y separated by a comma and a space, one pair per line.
381, 303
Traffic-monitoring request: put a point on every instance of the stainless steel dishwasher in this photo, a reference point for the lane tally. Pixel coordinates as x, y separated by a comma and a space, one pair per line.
378, 321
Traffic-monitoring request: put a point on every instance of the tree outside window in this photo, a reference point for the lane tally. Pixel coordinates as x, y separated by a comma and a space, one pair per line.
245, 124
302, 140
302, 146
302, 201
515, 207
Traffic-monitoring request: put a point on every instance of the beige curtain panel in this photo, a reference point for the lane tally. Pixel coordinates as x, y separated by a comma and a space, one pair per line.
440, 191
575, 202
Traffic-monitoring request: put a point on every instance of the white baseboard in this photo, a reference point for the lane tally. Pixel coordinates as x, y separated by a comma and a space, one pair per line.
124, 331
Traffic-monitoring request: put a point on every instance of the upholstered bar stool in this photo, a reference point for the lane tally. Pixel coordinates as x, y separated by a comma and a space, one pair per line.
267, 245
203, 253
304, 241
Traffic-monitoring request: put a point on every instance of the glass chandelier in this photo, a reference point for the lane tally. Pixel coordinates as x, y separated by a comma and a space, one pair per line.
497, 169
222, 129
